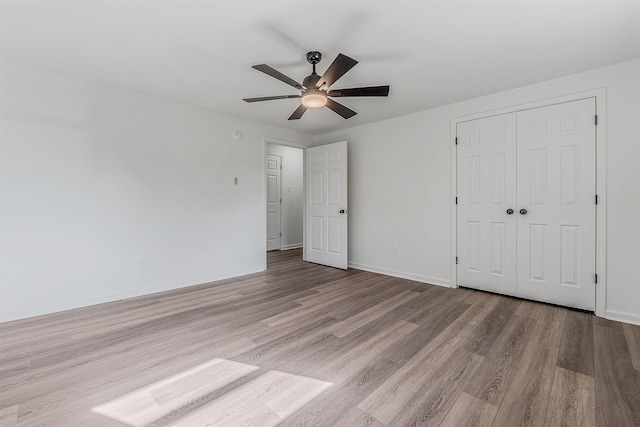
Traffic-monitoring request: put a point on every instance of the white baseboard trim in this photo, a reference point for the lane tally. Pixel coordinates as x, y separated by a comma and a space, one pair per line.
622, 316
402, 274
291, 246
58, 306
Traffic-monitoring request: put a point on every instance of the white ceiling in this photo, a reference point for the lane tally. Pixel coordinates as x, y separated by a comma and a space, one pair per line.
431, 53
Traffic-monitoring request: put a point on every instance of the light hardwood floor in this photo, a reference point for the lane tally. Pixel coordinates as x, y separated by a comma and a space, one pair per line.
302, 344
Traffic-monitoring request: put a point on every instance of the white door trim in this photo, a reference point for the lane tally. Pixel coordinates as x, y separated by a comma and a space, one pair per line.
268, 140
265, 141
600, 96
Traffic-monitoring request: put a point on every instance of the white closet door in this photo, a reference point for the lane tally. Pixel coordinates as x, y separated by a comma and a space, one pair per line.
557, 186
486, 190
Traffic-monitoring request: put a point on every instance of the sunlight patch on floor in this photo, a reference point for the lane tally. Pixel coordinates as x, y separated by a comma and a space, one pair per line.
155, 401
265, 401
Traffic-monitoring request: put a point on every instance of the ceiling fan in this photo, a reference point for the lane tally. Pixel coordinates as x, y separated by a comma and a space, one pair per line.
314, 89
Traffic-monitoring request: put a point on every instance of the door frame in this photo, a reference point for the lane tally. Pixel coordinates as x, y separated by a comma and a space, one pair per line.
268, 140
600, 96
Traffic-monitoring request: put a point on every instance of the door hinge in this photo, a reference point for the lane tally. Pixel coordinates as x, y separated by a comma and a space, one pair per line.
456, 140
596, 121
456, 260
280, 200
281, 234
596, 278
596, 199
456, 200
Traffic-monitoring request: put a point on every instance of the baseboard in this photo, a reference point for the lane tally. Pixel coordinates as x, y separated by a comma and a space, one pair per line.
291, 246
59, 306
402, 274
622, 316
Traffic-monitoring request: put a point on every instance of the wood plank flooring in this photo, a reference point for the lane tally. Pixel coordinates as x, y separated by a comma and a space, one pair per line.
306, 345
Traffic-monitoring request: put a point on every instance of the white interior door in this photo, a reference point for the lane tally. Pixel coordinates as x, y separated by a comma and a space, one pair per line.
486, 193
557, 187
274, 202
326, 205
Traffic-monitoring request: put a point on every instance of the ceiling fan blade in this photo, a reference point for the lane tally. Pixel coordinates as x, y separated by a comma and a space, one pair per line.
278, 75
340, 109
361, 91
270, 98
298, 113
337, 69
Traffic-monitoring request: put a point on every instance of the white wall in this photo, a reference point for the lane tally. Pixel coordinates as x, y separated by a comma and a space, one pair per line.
96, 179
292, 214
400, 184
108, 194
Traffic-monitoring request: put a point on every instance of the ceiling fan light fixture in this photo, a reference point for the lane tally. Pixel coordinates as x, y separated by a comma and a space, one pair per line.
314, 99
315, 90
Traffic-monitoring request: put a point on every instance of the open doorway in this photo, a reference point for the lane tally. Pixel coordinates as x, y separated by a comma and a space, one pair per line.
285, 198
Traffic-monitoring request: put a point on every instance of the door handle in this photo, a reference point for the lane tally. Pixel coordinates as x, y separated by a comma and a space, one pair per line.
523, 211
509, 211
343, 211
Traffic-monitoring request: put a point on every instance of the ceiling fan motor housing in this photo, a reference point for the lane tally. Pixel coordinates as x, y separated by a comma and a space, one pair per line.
312, 96
310, 81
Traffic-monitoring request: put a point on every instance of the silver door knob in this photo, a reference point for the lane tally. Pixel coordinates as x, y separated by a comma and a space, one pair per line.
523, 211
509, 211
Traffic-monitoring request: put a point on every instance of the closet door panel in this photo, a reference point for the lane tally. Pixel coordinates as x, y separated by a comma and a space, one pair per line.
486, 163
556, 187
